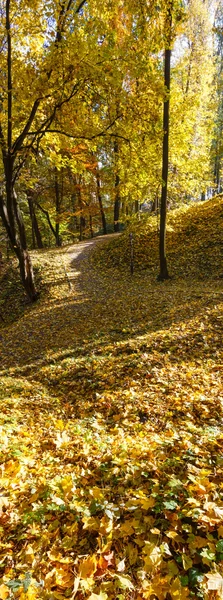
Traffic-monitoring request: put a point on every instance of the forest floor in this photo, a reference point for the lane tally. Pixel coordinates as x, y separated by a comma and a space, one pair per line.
111, 433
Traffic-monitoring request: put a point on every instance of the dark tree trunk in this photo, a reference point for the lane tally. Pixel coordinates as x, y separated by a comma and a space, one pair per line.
18, 242
74, 221
91, 225
117, 203
103, 219
36, 234
155, 204
117, 192
45, 212
58, 207
82, 218
163, 204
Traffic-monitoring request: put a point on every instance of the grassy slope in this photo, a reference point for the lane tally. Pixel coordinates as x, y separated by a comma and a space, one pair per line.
111, 424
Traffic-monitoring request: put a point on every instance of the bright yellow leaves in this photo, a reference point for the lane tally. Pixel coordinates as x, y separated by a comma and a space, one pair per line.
88, 567
4, 592
153, 557
99, 507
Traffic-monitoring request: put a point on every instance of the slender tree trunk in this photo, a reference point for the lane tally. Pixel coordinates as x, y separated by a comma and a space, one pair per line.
74, 222
91, 225
45, 212
163, 204
82, 218
58, 206
18, 243
103, 219
36, 234
117, 192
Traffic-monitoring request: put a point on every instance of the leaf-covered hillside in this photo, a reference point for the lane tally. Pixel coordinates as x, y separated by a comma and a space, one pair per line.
194, 242
111, 425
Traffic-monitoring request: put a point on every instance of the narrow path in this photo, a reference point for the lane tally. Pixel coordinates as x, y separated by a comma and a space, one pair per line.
79, 254
83, 306
69, 309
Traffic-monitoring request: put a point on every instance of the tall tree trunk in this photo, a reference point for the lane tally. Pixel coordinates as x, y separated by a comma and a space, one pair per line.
91, 225
36, 234
18, 243
82, 218
58, 207
45, 212
103, 219
117, 192
163, 204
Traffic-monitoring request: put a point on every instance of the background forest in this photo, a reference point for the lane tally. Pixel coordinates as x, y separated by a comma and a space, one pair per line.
81, 115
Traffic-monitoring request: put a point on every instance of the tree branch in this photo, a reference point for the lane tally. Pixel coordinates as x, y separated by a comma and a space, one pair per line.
17, 145
45, 212
78, 9
72, 136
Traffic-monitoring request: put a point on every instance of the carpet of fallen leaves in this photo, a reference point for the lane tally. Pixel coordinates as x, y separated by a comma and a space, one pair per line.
111, 432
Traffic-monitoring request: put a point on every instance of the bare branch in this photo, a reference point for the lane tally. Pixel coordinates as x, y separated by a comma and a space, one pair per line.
17, 145
88, 138
78, 9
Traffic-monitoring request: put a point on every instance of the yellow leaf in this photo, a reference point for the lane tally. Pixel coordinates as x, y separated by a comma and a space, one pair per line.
29, 553
125, 583
121, 566
106, 526
187, 562
31, 594
132, 554
58, 557
59, 424
67, 484
62, 439
97, 493
88, 567
178, 592
64, 578
4, 591
126, 529
172, 568
147, 503
155, 531
91, 523
153, 556
172, 534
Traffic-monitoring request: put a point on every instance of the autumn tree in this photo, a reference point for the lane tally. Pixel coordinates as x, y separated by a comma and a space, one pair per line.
38, 85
